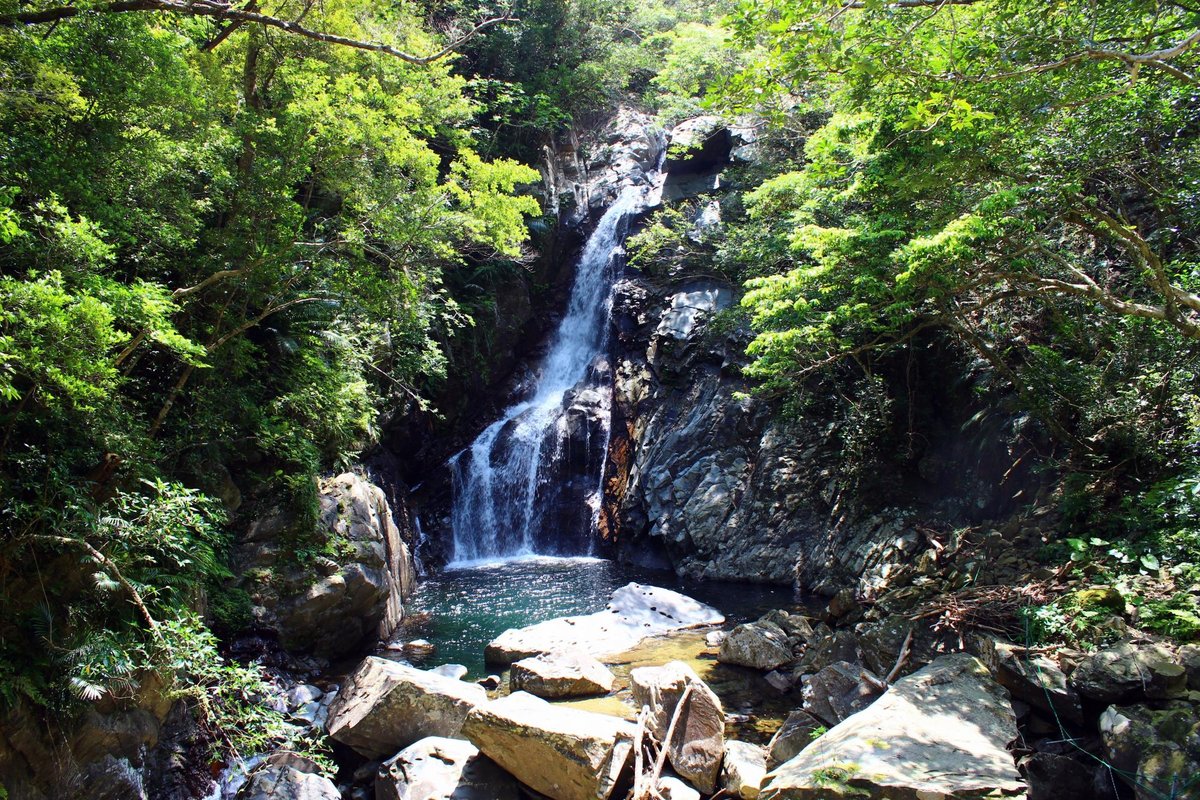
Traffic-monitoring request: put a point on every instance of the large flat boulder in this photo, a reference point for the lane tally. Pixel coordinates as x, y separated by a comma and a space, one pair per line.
697, 743
437, 768
563, 753
941, 732
385, 706
635, 612
556, 675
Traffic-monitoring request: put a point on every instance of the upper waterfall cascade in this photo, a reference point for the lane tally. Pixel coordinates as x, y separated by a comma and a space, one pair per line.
539, 468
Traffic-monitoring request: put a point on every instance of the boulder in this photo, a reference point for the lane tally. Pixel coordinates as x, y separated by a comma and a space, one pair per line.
796, 627
1052, 776
744, 769
698, 741
359, 596
837, 646
1035, 679
385, 706
279, 782
453, 671
674, 789
1189, 657
796, 733
941, 732
1130, 670
761, 645
556, 675
635, 612
842, 604
838, 691
564, 753
437, 768
1155, 750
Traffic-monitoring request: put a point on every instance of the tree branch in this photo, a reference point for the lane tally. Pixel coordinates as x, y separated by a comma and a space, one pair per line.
223, 11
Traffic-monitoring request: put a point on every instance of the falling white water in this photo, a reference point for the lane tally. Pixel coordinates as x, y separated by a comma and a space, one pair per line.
502, 479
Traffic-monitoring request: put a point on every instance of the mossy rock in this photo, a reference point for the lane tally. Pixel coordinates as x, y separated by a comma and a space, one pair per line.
1099, 597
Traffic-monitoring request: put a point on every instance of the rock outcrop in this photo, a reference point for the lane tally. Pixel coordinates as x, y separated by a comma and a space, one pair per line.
941, 732
563, 753
385, 706
675, 693
634, 613
331, 607
437, 768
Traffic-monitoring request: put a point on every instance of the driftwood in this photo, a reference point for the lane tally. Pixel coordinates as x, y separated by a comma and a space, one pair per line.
645, 784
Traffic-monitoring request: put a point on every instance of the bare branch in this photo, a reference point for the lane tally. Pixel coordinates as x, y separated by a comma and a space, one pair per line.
217, 9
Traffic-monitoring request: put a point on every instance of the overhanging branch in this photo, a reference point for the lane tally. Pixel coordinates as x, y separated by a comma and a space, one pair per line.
224, 11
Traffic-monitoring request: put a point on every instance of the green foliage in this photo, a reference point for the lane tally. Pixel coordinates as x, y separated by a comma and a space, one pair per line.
213, 261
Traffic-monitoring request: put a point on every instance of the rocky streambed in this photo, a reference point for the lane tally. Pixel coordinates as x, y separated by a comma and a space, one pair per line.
789, 705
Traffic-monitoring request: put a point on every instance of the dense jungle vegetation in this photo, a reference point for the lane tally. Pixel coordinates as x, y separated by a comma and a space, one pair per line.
231, 236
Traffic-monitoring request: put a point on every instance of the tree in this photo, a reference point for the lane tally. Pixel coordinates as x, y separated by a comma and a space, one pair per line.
980, 154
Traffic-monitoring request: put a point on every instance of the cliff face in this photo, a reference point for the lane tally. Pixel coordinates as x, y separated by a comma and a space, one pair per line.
713, 483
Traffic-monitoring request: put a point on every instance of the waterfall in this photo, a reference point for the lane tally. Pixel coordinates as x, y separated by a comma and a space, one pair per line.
531, 481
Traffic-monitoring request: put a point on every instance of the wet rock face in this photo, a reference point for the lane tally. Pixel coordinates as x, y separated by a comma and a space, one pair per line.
356, 597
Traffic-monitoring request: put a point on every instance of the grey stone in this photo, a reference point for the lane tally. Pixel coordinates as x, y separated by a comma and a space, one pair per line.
437, 768
454, 671
1189, 657
634, 612
838, 691
287, 783
698, 741
1057, 777
1129, 670
385, 706
1155, 750
796, 733
941, 732
359, 596
671, 788
1035, 679
756, 644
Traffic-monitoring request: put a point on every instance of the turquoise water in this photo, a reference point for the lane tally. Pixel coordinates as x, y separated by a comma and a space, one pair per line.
461, 610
